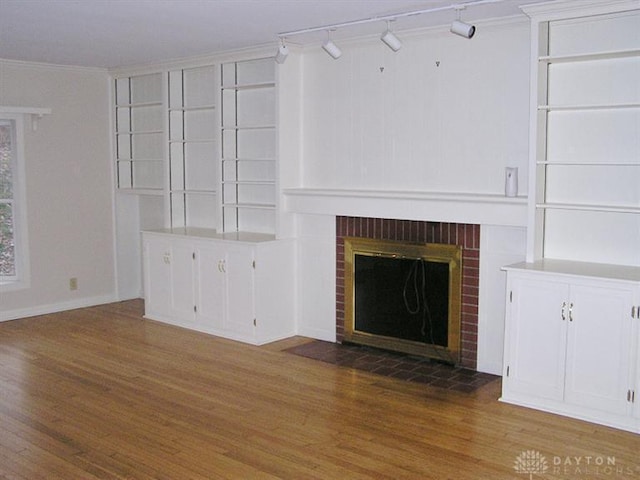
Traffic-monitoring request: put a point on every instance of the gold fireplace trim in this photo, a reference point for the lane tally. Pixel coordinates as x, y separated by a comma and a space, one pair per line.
432, 252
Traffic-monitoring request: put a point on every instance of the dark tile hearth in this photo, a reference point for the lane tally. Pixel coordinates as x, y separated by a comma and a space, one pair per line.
398, 365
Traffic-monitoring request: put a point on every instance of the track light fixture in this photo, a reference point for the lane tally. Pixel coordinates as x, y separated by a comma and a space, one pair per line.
283, 51
391, 40
331, 48
459, 27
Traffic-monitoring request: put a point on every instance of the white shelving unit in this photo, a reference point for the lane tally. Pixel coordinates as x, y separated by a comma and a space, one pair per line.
571, 336
192, 147
140, 133
586, 205
248, 146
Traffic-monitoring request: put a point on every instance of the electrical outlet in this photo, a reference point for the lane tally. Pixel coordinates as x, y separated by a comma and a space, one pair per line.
73, 283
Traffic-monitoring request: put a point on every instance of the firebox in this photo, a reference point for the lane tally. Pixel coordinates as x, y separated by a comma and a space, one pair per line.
404, 296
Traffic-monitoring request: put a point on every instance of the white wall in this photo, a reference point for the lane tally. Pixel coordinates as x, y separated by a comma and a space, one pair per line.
499, 246
316, 276
69, 187
443, 114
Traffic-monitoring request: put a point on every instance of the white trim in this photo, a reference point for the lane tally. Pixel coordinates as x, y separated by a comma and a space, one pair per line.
25, 110
55, 307
36, 113
490, 209
563, 9
318, 334
28, 64
20, 208
250, 53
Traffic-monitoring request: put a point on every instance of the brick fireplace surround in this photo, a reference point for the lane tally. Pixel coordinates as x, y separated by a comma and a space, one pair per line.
466, 236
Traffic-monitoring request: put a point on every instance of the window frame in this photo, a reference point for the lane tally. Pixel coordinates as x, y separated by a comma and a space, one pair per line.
22, 278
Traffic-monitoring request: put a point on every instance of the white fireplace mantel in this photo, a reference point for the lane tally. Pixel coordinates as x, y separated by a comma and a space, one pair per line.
487, 209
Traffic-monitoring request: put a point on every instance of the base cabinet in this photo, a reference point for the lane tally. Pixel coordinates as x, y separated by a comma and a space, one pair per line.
571, 341
240, 288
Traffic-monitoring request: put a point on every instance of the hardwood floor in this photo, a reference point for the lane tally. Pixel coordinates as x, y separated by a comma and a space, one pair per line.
102, 393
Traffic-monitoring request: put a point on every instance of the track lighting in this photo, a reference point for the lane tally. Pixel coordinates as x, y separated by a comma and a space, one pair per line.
281, 54
463, 29
331, 48
391, 40
460, 28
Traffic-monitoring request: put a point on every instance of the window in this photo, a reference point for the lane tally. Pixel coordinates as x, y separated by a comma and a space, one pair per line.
13, 255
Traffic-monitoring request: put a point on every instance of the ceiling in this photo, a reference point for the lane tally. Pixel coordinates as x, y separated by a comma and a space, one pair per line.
112, 33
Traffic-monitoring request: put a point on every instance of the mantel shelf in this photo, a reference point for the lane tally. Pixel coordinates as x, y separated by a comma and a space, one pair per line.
479, 208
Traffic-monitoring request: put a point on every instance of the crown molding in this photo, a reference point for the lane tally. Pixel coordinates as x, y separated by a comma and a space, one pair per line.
43, 65
250, 53
561, 9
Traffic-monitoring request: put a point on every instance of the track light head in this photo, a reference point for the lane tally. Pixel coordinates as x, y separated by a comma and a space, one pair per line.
281, 54
391, 40
463, 29
332, 49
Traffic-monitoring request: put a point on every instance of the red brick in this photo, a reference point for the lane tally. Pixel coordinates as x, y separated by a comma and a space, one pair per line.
468, 289
465, 235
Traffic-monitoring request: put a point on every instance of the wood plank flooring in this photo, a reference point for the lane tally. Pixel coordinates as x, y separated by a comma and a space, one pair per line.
102, 393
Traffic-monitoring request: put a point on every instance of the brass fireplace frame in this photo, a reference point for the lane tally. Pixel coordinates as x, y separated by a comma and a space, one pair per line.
432, 252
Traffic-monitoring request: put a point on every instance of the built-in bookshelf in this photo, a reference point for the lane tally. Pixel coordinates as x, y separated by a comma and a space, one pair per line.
586, 204
248, 146
140, 133
193, 163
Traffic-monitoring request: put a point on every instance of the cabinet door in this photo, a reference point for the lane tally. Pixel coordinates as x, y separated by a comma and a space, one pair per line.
182, 281
599, 345
238, 268
157, 277
210, 284
536, 335
636, 385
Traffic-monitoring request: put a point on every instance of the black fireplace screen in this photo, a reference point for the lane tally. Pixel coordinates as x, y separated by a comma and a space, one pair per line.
402, 298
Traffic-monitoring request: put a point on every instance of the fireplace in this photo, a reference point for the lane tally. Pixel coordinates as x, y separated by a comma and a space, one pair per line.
465, 237
403, 296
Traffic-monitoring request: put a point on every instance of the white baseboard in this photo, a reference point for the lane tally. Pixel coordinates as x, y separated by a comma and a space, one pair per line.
327, 335
6, 315
489, 367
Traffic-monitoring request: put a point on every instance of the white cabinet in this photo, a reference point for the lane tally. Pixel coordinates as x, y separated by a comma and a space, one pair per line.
599, 345
535, 338
571, 340
157, 258
238, 286
174, 269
